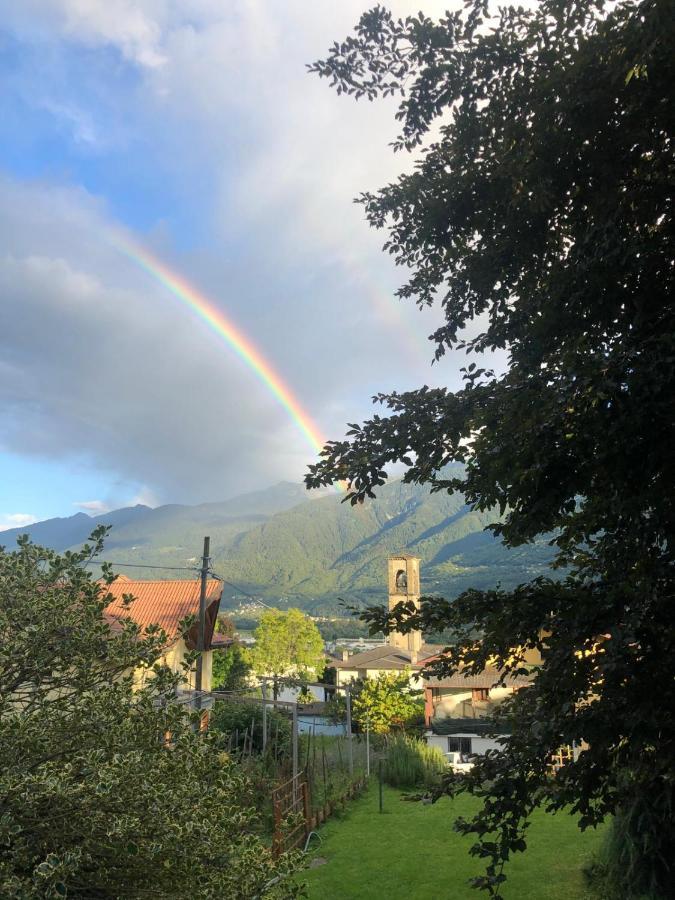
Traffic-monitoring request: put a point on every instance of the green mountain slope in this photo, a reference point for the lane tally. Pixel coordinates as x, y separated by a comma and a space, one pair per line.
280, 544
313, 553
173, 530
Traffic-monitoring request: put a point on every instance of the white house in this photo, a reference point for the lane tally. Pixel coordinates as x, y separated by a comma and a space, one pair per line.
458, 709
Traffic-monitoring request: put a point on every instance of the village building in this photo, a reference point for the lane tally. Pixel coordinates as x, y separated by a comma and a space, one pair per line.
400, 652
167, 604
458, 709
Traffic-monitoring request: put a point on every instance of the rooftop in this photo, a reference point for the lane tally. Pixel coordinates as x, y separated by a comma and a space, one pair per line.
480, 726
488, 678
164, 603
388, 657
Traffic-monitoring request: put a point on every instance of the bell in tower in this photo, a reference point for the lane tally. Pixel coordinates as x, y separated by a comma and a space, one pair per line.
404, 585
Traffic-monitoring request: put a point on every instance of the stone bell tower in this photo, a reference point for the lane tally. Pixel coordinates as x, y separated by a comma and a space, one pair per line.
404, 585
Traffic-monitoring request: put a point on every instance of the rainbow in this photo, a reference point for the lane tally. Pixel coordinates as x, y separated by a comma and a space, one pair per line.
218, 322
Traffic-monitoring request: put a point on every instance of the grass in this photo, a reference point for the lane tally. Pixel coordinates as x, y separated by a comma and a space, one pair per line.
411, 852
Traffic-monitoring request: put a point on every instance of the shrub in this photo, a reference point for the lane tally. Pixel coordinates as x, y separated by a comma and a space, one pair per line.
385, 703
231, 668
621, 870
410, 762
242, 720
106, 788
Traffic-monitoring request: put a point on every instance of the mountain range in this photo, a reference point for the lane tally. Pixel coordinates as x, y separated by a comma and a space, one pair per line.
284, 546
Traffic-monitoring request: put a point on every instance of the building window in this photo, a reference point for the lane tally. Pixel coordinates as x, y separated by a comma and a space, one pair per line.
459, 745
435, 693
402, 581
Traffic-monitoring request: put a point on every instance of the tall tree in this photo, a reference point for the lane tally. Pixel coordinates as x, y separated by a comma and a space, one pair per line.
287, 643
541, 215
106, 791
386, 702
231, 668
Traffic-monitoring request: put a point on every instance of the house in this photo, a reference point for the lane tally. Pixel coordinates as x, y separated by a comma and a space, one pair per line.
167, 603
400, 652
458, 709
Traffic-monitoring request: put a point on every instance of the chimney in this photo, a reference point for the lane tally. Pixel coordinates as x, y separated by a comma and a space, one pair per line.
413, 657
345, 655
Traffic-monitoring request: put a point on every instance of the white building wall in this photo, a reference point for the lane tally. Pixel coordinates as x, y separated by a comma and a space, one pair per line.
479, 745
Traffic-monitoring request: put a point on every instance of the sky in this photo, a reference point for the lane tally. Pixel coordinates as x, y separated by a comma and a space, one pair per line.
188, 129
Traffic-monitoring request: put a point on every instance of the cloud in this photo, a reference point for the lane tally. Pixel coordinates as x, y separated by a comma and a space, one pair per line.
15, 520
145, 497
78, 122
99, 363
131, 26
241, 169
92, 506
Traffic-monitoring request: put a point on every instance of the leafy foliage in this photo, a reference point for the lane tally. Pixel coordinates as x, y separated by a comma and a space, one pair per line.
410, 762
238, 719
543, 211
287, 643
231, 668
385, 703
106, 789
225, 626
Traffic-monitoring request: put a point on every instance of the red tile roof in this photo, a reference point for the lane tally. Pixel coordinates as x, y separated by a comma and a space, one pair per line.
165, 603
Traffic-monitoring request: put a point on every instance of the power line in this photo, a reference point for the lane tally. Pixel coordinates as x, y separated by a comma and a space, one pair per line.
187, 569
242, 591
142, 566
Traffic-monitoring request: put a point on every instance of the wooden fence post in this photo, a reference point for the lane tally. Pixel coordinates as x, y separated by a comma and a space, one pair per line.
277, 839
306, 806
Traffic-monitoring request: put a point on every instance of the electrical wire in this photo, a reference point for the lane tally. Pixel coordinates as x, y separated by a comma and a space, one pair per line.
142, 566
242, 591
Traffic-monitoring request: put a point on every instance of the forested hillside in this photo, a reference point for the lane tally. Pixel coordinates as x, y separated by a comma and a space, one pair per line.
281, 545
318, 551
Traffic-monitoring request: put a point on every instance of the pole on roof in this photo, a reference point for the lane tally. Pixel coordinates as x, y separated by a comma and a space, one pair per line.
201, 634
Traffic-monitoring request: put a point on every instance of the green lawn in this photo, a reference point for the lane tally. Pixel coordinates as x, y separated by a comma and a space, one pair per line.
411, 852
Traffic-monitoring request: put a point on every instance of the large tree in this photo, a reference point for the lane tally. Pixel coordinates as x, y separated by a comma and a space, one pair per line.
539, 213
106, 789
287, 644
386, 702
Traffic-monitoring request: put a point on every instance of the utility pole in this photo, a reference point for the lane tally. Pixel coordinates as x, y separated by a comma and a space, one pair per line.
201, 635
264, 715
294, 750
350, 745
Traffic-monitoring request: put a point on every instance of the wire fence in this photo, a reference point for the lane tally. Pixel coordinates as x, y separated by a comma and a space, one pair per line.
291, 739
